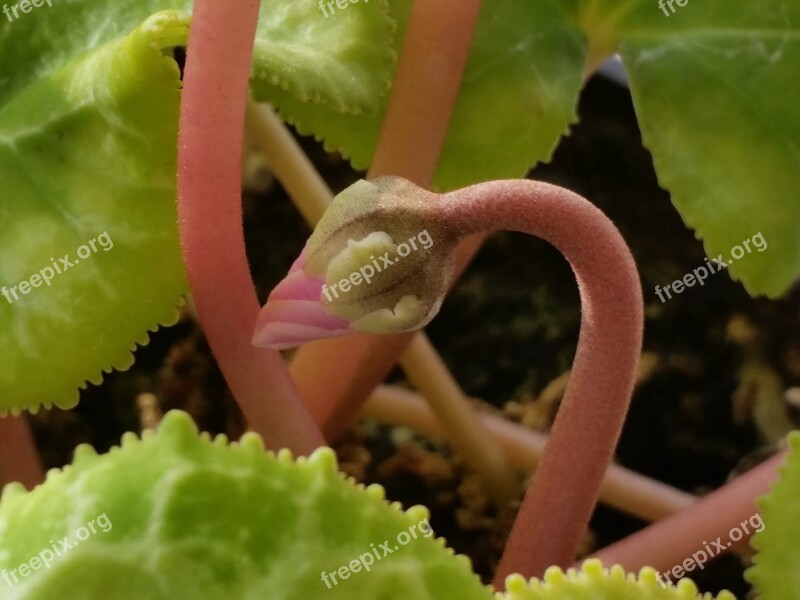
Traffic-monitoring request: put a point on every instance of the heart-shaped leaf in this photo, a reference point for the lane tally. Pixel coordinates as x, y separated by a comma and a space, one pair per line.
89, 96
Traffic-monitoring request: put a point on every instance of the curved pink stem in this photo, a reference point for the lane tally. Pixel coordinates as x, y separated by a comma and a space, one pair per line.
210, 219
565, 487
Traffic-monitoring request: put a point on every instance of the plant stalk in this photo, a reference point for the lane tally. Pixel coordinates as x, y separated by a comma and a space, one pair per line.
216, 80
336, 376
362, 362
564, 490
670, 542
424, 367
623, 489
429, 374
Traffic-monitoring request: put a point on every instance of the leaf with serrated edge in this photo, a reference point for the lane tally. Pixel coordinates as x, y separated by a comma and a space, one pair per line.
88, 132
774, 574
716, 92
342, 60
182, 516
88, 150
593, 582
517, 97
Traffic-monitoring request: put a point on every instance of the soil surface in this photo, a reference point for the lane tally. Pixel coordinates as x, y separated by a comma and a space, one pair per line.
717, 371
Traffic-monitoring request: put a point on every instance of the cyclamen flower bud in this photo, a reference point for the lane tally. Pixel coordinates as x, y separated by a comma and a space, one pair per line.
378, 261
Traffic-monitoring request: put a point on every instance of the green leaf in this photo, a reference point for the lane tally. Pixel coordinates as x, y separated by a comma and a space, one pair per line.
594, 582
517, 97
774, 574
714, 88
716, 94
181, 516
89, 151
89, 97
342, 60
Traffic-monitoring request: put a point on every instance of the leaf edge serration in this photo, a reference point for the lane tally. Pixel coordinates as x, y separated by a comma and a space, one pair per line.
556, 583
178, 435
762, 573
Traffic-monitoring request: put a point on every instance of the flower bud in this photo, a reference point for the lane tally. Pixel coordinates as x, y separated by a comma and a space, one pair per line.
378, 261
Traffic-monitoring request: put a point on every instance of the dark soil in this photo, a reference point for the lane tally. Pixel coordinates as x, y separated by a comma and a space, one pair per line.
718, 362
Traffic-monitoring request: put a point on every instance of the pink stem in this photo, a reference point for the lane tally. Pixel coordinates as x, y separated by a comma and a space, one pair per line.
565, 487
210, 219
336, 376
19, 459
670, 542
425, 89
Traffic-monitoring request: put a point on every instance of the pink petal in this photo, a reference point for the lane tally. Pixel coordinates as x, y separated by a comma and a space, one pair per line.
293, 313
305, 312
297, 285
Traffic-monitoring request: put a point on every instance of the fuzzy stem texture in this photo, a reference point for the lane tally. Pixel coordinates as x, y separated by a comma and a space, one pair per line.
215, 92
564, 490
